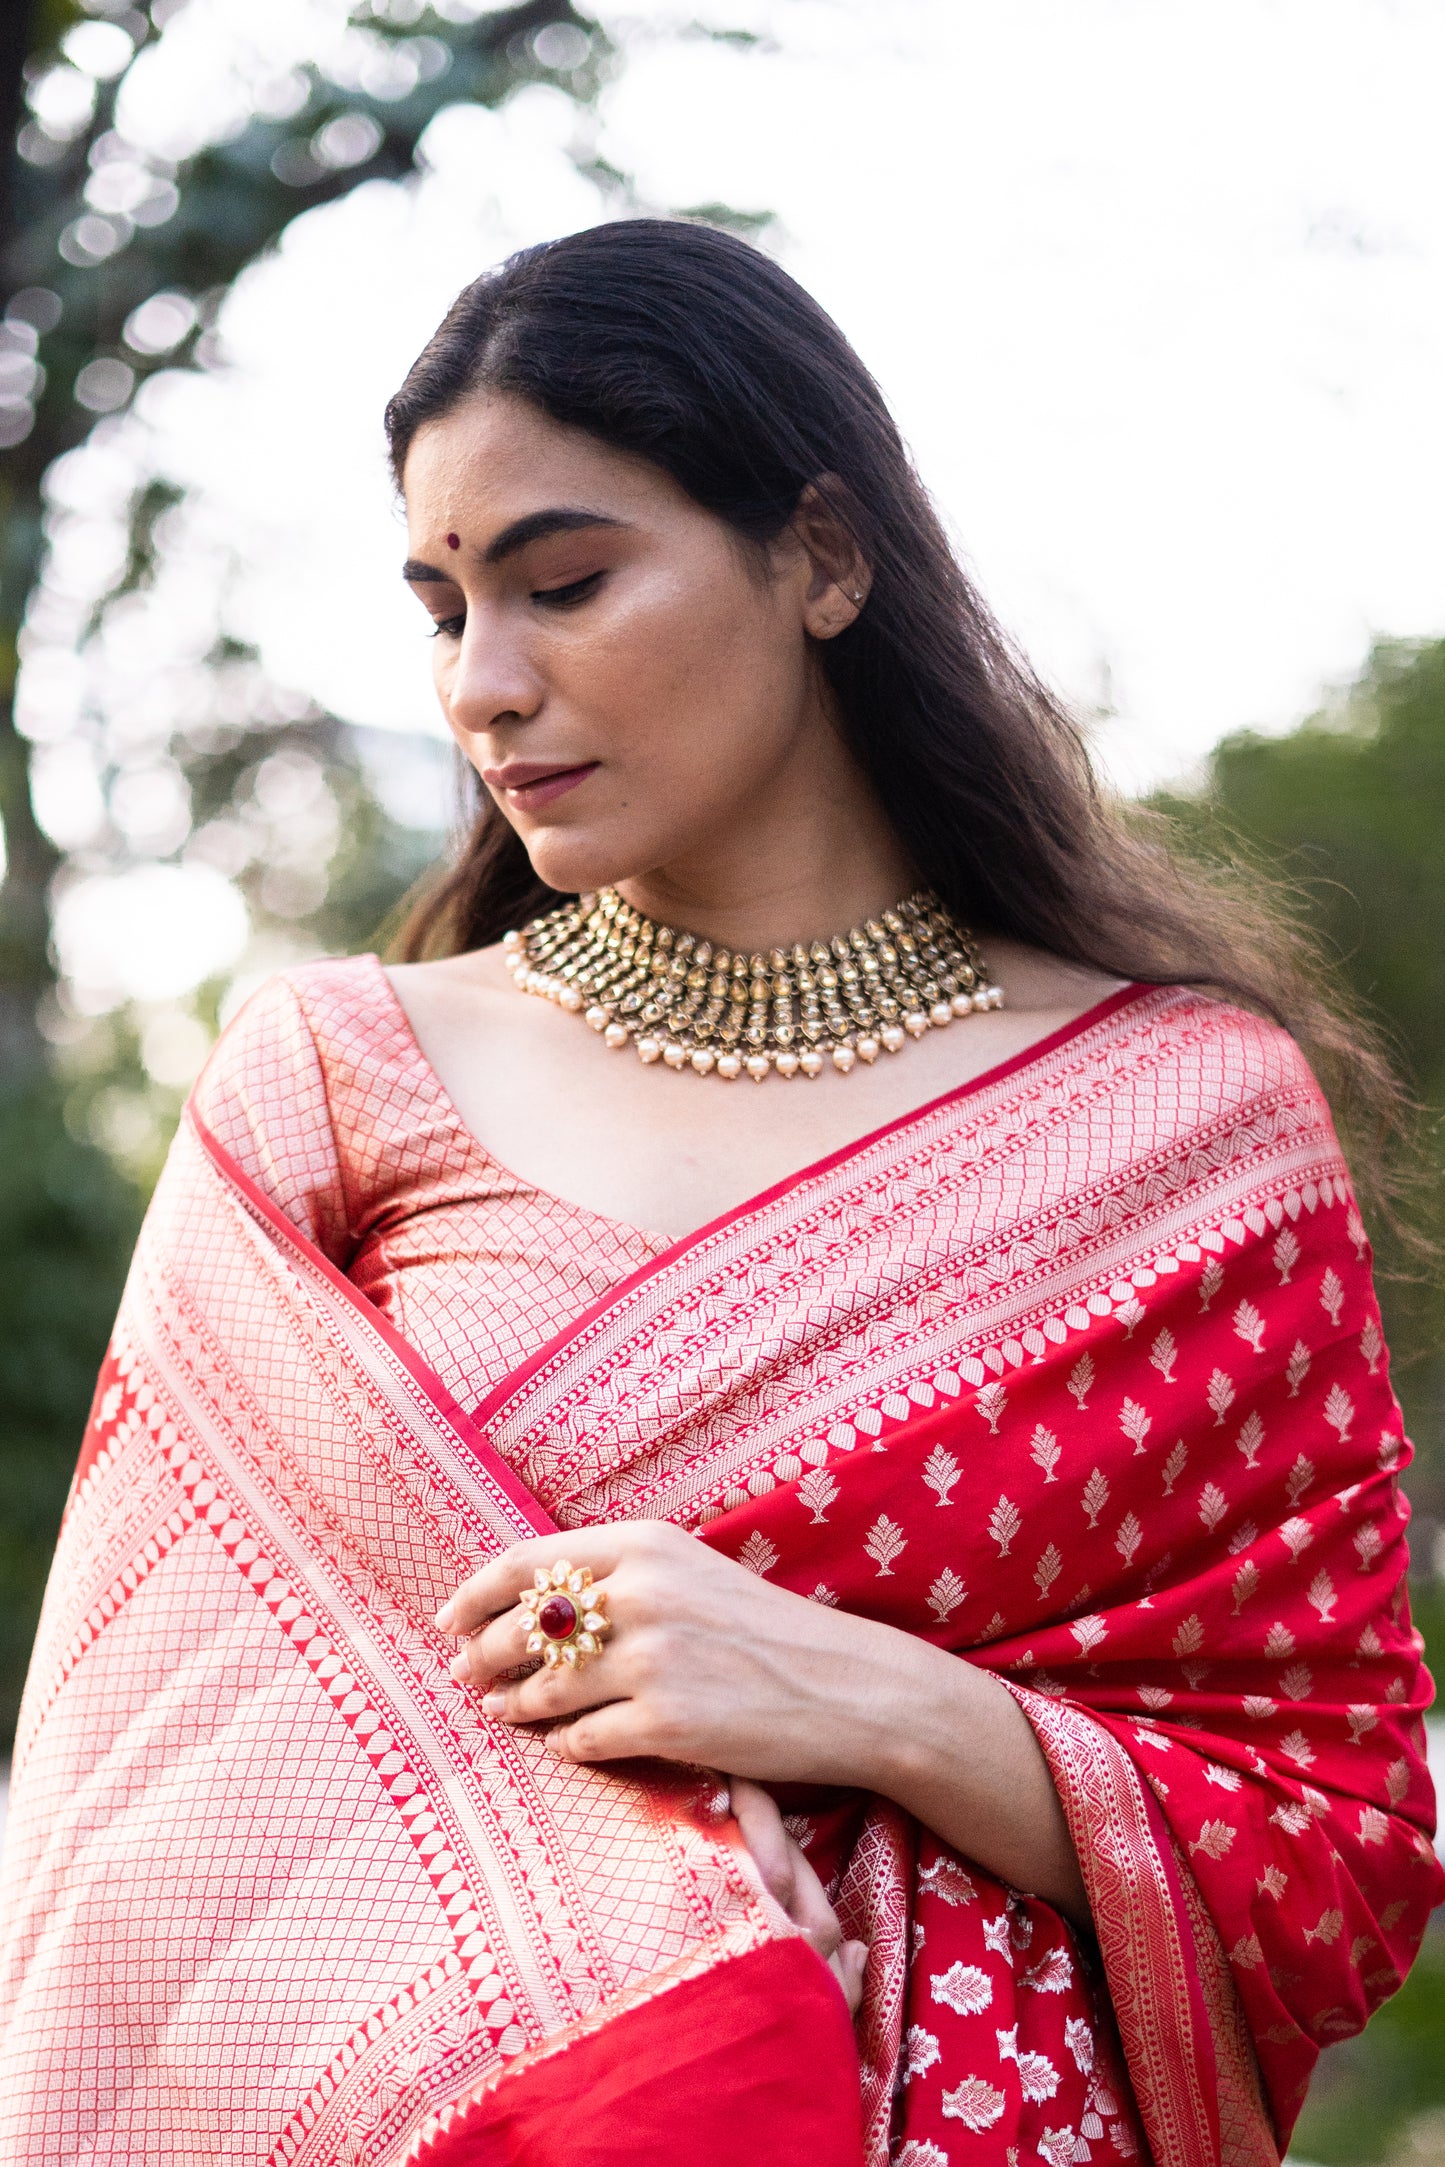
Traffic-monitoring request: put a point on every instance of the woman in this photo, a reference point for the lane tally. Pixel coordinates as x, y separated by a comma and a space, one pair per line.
568, 1540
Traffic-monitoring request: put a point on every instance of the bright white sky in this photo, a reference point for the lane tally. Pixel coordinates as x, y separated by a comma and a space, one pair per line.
1154, 286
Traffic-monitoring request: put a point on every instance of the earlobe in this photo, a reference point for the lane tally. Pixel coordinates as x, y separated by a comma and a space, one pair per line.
840, 576
836, 607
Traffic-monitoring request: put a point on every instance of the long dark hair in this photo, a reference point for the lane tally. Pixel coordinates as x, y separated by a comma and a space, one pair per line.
692, 349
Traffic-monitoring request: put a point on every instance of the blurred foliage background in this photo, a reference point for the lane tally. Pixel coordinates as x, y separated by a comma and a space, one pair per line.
1349, 812
114, 264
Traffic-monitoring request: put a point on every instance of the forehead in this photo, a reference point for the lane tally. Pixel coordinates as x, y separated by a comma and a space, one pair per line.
497, 458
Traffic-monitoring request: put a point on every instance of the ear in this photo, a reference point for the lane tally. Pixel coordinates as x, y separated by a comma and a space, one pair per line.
839, 574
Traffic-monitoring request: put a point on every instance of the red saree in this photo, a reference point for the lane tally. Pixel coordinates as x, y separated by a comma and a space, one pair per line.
1077, 1372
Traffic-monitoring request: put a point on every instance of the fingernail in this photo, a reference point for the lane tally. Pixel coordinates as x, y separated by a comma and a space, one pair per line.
443, 1619
459, 1667
493, 1704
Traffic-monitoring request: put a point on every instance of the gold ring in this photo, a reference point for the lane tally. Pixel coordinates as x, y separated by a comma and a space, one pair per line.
567, 1617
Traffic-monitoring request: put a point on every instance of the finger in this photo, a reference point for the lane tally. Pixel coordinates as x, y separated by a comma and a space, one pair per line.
762, 1829
505, 1642
497, 1586
810, 1908
612, 1733
849, 1966
548, 1694
601, 1549
512, 1641
499, 1646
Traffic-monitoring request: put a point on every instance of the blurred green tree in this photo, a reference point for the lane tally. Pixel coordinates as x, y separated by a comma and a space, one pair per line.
115, 261
1349, 812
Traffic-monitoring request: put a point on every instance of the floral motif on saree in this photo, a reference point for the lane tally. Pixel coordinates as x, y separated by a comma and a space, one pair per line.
1077, 1373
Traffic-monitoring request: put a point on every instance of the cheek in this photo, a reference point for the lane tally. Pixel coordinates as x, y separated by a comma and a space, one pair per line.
694, 647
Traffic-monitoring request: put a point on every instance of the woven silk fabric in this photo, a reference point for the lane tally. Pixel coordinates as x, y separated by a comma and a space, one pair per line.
1077, 1373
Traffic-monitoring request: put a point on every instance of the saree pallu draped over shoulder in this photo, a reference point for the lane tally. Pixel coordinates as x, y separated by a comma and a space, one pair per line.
1077, 1373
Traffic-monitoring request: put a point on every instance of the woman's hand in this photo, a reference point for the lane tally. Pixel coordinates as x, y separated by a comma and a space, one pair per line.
707, 1662
791, 1882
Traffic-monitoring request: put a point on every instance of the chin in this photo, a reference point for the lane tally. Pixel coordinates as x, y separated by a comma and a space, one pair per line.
577, 864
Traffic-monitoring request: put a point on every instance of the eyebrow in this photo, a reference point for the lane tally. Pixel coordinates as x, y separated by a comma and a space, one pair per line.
535, 527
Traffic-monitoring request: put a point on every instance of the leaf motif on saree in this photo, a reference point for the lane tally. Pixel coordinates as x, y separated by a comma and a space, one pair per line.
1004, 1523
885, 1544
1096, 1496
976, 2103
921, 2052
1249, 1326
1249, 1440
1164, 1353
947, 1879
945, 1595
1339, 1412
1220, 1395
941, 1473
1044, 1450
966, 1989
758, 1554
817, 1491
1060, 2147
1136, 1423
990, 1403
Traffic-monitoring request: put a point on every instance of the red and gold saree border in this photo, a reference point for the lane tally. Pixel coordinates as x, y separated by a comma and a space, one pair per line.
1031, 1208
397, 1353
1178, 2016
817, 1171
189, 1446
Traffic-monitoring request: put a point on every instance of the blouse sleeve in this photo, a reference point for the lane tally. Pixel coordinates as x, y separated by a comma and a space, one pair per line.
263, 1096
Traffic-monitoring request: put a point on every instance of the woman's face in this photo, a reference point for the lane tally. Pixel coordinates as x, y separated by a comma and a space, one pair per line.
634, 693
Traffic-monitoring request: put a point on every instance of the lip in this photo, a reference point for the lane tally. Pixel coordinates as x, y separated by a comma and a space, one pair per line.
530, 783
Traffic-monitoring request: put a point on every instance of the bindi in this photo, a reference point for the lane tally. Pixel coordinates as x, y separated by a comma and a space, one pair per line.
454, 541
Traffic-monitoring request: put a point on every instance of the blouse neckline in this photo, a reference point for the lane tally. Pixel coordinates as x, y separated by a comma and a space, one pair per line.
664, 1244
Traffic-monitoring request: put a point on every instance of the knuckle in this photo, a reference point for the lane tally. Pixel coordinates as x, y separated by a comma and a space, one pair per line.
649, 1653
639, 1594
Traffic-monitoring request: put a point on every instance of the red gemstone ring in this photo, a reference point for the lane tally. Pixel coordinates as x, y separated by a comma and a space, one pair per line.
566, 1616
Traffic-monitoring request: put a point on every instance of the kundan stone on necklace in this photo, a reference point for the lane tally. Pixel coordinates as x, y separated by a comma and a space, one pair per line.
677, 998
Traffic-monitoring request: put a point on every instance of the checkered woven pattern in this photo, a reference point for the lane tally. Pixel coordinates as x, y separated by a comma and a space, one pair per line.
321, 1094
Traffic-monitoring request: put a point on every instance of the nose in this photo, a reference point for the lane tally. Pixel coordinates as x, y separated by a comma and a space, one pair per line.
492, 681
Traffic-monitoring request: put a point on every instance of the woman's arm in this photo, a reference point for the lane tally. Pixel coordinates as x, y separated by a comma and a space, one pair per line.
963, 1760
709, 1663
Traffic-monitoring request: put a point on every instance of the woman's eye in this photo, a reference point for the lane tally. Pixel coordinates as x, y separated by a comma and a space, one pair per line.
448, 628
576, 590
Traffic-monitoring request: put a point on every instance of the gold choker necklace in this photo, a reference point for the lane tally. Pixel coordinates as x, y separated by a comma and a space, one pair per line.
682, 1000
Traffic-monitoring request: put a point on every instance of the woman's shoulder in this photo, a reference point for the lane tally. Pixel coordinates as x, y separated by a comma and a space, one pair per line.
1218, 1055
1219, 1083
292, 1022
1242, 1052
269, 1092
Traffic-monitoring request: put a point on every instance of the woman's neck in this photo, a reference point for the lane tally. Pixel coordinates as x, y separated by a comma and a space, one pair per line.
811, 863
